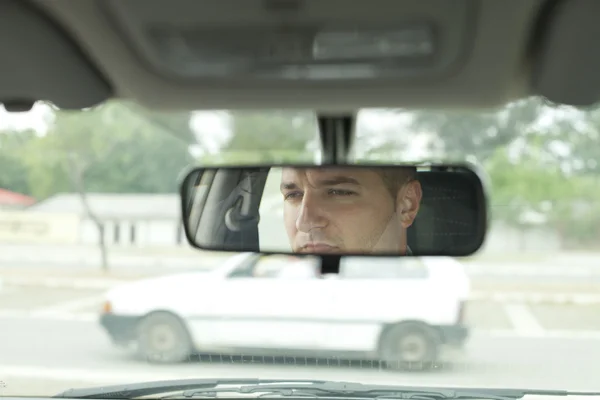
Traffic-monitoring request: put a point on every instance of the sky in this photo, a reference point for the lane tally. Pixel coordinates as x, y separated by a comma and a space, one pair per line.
213, 120
212, 128
37, 119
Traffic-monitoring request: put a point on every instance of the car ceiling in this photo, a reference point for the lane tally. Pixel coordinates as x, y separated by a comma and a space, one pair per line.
79, 53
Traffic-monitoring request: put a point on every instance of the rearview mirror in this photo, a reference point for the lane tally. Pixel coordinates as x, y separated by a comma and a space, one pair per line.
386, 210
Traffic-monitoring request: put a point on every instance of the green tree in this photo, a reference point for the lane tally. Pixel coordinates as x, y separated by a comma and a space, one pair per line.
115, 144
534, 182
571, 138
277, 136
464, 133
15, 173
108, 149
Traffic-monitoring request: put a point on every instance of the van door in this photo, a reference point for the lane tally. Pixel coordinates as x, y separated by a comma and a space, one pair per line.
372, 292
271, 306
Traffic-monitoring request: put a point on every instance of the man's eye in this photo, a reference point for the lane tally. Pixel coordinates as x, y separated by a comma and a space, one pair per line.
292, 195
341, 192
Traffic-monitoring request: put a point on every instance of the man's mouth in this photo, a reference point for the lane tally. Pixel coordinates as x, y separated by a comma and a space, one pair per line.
318, 248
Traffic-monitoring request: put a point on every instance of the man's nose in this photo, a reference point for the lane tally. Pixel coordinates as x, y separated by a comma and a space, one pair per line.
311, 215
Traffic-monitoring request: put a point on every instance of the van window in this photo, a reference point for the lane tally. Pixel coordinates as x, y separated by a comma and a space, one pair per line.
382, 268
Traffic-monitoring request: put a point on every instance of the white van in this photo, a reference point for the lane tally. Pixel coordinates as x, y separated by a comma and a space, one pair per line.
399, 310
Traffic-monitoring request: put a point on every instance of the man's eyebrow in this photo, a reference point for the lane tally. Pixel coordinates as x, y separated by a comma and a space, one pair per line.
288, 186
337, 180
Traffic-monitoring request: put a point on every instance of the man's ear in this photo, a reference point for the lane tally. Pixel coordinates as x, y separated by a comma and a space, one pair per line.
409, 201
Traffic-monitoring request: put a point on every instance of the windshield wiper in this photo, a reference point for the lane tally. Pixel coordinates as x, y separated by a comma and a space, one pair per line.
189, 388
130, 391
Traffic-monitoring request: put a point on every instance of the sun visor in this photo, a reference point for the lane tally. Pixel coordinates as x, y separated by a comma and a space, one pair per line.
567, 62
40, 62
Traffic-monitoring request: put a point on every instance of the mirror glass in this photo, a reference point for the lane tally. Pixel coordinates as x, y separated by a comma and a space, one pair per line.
386, 210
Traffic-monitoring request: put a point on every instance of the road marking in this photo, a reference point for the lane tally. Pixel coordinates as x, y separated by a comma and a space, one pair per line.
523, 320
56, 316
528, 271
537, 298
70, 306
553, 334
65, 283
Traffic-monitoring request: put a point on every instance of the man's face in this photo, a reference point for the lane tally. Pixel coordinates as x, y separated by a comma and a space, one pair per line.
346, 210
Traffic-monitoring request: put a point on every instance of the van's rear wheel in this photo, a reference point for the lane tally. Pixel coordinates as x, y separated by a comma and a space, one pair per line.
162, 338
409, 346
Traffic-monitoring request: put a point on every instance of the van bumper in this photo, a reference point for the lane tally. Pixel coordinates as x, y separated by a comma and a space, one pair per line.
120, 328
453, 335
450, 355
453, 339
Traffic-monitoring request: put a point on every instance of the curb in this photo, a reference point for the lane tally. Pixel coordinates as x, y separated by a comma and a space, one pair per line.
116, 260
57, 283
538, 298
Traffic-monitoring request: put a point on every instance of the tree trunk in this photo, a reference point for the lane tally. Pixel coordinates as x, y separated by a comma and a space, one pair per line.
102, 245
522, 238
99, 225
77, 175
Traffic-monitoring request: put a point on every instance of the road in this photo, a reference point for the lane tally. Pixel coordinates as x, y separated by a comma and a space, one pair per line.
88, 256
51, 341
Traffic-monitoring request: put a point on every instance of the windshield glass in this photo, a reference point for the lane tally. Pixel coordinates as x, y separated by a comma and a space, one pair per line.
92, 245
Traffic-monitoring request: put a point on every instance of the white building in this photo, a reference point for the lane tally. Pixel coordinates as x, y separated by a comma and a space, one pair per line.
139, 220
128, 219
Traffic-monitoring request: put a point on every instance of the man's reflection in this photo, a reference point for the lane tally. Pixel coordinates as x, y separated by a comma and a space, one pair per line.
349, 210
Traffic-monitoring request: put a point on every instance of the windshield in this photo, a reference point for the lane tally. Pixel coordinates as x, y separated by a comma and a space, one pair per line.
89, 212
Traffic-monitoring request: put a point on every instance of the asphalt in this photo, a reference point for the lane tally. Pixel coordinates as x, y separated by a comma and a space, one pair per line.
51, 341
41, 357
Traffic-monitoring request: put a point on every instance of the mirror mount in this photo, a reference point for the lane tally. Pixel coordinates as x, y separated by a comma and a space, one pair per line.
336, 132
330, 265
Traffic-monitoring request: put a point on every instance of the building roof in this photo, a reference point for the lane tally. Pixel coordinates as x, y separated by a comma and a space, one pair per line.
115, 205
9, 198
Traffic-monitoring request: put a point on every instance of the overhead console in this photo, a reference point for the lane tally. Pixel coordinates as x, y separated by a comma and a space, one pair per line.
316, 54
298, 42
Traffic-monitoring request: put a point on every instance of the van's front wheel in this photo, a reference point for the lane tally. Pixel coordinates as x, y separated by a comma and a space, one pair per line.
162, 338
409, 346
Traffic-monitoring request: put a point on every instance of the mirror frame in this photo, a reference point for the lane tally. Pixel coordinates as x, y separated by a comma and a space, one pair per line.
476, 172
